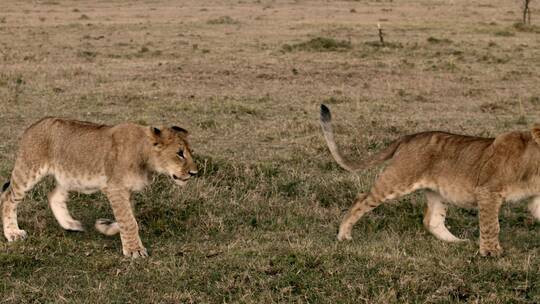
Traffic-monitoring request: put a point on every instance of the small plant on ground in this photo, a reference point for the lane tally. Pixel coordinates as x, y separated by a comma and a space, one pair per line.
526, 12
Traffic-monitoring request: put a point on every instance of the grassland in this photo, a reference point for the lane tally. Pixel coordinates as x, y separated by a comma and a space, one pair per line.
246, 78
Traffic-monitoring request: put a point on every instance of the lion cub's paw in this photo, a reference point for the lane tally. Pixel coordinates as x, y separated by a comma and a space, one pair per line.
74, 226
136, 253
15, 235
493, 252
345, 236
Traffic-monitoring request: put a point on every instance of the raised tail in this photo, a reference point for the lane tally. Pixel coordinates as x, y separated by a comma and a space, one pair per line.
379, 157
107, 227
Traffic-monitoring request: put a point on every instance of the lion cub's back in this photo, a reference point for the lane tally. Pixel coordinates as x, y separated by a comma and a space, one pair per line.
67, 146
443, 162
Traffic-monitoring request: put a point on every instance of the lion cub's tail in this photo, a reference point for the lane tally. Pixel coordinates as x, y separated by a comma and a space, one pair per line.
326, 124
107, 227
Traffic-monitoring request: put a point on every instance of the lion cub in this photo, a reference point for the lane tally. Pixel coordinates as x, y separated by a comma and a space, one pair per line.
466, 171
88, 157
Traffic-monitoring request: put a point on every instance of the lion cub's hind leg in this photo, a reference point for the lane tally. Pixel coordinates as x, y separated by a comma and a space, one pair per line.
359, 208
389, 185
57, 202
435, 216
23, 179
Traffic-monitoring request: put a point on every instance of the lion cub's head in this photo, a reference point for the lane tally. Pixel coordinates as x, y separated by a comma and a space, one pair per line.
171, 154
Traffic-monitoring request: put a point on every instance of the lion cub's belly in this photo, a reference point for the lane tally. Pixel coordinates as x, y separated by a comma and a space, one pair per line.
458, 196
84, 184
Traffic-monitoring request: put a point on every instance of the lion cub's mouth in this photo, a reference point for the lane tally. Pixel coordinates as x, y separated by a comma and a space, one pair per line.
180, 181
185, 179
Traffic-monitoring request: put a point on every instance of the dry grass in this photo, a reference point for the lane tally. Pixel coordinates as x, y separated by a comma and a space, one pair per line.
259, 225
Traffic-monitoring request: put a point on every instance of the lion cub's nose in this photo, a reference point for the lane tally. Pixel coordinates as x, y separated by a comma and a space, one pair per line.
193, 173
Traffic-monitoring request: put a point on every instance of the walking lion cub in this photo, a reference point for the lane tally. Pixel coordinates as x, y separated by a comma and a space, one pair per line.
466, 171
88, 157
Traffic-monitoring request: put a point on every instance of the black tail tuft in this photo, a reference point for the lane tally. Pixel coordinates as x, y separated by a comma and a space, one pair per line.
5, 186
104, 222
325, 114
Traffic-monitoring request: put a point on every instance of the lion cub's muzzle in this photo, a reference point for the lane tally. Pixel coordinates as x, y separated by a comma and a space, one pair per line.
181, 180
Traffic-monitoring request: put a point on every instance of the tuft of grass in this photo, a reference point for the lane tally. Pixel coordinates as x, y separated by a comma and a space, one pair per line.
319, 44
504, 33
87, 54
387, 44
339, 193
488, 57
492, 107
336, 100
534, 100
223, 20
208, 124
521, 120
434, 40
529, 28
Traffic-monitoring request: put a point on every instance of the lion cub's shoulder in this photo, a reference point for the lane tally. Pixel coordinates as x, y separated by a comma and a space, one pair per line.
513, 141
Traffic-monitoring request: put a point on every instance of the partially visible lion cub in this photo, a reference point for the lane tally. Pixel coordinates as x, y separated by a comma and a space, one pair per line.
467, 171
88, 157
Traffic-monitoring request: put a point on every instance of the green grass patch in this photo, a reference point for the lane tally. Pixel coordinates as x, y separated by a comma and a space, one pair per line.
223, 20
528, 28
319, 44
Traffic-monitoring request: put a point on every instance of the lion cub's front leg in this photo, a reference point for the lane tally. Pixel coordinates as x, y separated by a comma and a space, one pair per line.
129, 230
489, 204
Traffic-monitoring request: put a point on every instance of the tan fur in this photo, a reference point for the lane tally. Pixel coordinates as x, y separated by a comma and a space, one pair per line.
467, 171
87, 157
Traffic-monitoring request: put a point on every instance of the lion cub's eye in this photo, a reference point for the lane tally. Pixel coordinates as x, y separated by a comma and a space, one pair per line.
180, 153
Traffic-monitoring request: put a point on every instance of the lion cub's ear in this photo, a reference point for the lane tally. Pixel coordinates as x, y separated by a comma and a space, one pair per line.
535, 131
180, 130
157, 137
